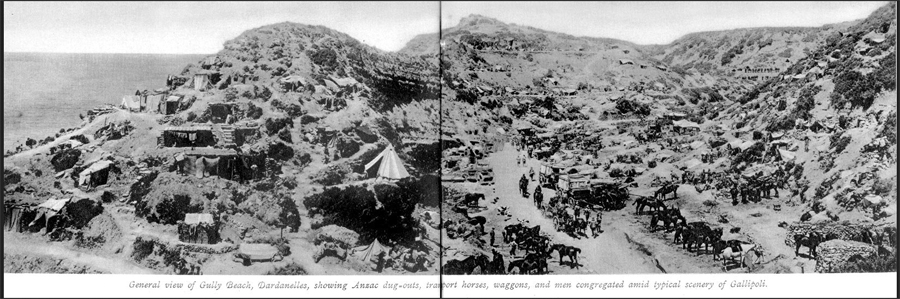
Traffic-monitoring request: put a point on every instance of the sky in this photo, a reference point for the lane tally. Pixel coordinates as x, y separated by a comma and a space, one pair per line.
199, 27
203, 27
657, 22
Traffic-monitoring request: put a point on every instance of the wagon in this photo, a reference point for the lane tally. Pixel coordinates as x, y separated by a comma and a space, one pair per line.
248, 253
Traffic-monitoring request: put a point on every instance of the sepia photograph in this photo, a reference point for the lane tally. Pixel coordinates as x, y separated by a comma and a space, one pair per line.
680, 137
221, 138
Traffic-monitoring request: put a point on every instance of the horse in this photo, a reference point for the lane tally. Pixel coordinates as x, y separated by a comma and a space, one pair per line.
467, 265
729, 254
496, 265
569, 251
810, 240
663, 191
642, 202
660, 216
525, 266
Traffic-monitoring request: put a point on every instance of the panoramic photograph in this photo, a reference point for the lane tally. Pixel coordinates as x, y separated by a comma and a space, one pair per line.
620, 138
221, 138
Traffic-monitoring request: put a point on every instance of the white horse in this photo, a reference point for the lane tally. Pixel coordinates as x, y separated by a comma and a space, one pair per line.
740, 257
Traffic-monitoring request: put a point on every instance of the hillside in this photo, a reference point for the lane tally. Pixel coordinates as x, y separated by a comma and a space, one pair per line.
724, 52
709, 126
262, 136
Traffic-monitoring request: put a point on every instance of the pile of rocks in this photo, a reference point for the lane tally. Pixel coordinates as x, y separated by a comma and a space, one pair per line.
830, 230
833, 254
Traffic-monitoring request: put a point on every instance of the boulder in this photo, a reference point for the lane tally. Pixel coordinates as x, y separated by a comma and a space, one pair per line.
341, 236
833, 254
65, 159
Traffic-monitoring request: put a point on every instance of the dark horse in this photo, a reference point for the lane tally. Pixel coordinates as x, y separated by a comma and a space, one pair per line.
467, 265
496, 265
569, 251
810, 240
525, 266
664, 191
642, 202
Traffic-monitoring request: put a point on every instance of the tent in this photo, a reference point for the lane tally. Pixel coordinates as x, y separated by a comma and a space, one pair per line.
94, 175
154, 101
787, 155
685, 124
389, 165
198, 228
47, 210
371, 251
132, 103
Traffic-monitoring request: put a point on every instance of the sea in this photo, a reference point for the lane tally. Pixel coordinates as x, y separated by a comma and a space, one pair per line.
45, 92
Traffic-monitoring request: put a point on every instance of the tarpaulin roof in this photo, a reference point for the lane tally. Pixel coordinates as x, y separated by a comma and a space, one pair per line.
258, 251
735, 142
99, 165
344, 81
294, 79
389, 165
747, 145
173, 99
787, 155
777, 134
197, 218
875, 199
54, 204
685, 124
331, 85
189, 129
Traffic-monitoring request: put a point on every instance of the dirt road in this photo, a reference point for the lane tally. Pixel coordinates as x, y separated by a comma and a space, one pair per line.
611, 252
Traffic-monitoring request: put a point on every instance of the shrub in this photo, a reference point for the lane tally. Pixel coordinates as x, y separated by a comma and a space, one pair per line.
840, 144
880, 263
290, 269
356, 208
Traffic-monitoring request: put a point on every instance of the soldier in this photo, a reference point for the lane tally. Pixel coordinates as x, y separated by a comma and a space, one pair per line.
492, 237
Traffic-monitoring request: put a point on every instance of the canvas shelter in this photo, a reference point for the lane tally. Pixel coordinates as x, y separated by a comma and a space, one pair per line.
203, 80
369, 253
156, 102
47, 213
194, 136
258, 252
198, 228
95, 175
17, 216
387, 165
131, 103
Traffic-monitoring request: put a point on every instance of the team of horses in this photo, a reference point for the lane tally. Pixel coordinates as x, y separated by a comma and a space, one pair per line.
698, 236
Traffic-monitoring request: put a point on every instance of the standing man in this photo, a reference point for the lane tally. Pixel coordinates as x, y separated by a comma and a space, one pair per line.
492, 237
